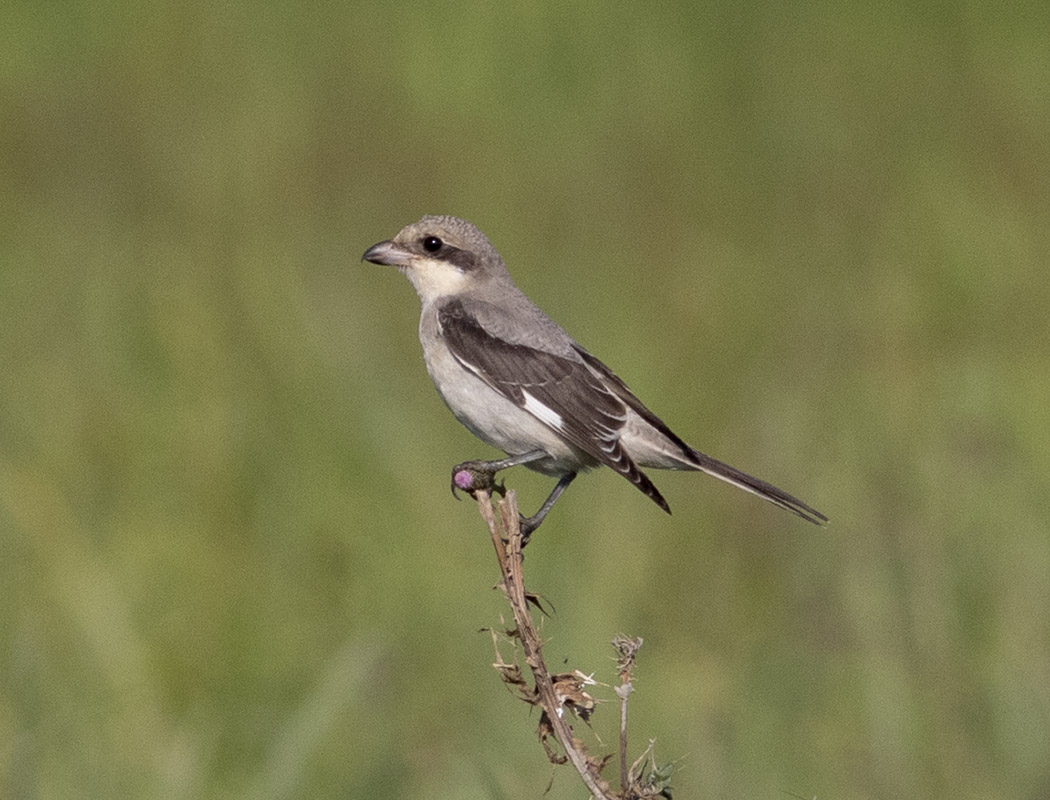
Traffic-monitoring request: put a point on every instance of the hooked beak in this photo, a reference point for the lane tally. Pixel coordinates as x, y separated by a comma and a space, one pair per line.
389, 254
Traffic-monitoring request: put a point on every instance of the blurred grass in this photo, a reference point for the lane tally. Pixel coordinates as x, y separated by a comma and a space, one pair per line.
232, 567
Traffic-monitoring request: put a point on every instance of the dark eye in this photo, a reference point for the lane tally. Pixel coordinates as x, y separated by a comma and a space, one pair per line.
432, 244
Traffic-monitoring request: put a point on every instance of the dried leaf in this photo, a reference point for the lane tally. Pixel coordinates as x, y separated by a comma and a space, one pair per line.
545, 731
537, 601
568, 688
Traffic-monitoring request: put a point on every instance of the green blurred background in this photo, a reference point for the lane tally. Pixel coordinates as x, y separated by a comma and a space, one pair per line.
813, 237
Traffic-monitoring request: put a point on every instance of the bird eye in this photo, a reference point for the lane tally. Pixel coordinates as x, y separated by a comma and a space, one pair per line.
432, 244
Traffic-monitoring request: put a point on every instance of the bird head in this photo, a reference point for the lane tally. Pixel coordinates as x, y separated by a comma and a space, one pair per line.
441, 256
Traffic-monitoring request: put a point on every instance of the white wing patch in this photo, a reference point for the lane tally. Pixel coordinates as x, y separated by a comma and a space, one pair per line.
544, 413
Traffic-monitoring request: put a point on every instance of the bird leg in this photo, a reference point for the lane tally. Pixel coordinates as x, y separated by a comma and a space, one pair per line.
530, 524
470, 476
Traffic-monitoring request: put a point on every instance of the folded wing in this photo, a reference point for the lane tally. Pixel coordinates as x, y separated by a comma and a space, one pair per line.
563, 393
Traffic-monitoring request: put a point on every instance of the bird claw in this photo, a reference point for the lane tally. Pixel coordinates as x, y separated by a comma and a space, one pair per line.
472, 476
526, 525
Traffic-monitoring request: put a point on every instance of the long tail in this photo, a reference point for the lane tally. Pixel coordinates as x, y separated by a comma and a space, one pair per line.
690, 457
749, 483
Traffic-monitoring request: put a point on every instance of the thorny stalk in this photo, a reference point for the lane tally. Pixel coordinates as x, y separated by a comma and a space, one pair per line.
508, 552
563, 695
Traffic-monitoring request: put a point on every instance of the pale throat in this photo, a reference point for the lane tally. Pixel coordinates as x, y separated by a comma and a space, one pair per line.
433, 279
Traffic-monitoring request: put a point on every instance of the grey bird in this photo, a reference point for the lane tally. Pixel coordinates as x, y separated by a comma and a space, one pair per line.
519, 382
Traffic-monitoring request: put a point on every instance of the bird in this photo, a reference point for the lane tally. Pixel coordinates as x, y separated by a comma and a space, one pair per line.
519, 382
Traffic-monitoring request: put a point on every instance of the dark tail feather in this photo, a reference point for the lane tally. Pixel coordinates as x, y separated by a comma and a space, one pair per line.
767, 491
650, 490
618, 460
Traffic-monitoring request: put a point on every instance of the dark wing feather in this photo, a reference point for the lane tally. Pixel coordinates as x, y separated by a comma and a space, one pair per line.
591, 415
713, 466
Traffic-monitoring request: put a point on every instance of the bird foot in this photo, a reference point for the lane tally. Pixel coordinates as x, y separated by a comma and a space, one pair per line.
527, 525
472, 476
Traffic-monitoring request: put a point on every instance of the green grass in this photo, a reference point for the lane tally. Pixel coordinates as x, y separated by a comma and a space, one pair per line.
814, 239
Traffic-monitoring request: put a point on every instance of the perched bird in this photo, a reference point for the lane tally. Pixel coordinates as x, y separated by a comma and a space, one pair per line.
519, 382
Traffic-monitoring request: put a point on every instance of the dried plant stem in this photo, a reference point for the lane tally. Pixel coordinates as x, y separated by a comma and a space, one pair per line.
507, 541
626, 649
623, 733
